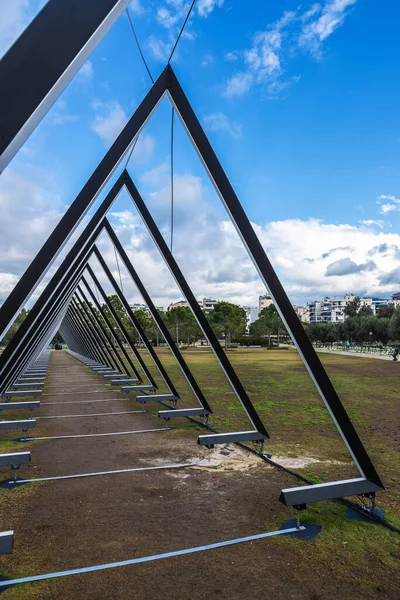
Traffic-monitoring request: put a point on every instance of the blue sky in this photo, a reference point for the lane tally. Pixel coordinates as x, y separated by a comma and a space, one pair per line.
301, 105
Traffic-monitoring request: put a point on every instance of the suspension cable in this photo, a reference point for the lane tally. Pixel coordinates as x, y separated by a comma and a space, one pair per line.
131, 152
181, 31
172, 176
138, 45
147, 69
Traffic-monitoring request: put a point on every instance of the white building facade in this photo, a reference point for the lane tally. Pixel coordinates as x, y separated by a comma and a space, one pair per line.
332, 310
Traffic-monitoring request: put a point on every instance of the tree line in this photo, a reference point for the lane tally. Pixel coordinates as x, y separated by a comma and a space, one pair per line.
229, 322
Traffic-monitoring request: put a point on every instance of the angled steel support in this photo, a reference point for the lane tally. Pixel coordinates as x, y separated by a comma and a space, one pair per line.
196, 310
156, 316
133, 319
77, 210
272, 283
44, 59
98, 325
118, 322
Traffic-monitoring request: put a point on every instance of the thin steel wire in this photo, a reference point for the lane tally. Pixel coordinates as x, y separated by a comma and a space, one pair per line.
172, 177
181, 31
138, 45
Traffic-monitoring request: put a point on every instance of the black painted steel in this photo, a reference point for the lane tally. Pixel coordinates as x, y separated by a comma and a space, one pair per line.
195, 308
77, 210
270, 279
118, 322
107, 336
137, 325
40, 64
114, 314
167, 82
157, 318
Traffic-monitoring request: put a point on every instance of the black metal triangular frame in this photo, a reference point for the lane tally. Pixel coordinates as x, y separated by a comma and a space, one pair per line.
76, 262
370, 482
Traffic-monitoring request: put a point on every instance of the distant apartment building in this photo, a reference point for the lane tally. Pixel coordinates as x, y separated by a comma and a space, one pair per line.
145, 308
251, 315
264, 302
177, 304
396, 299
137, 306
303, 313
207, 304
332, 310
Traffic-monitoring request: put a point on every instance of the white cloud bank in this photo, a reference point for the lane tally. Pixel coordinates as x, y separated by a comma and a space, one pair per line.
313, 259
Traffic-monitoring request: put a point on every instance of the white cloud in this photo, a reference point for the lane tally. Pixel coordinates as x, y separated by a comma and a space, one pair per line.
86, 72
144, 149
393, 203
160, 49
273, 48
136, 7
110, 122
207, 60
30, 207
59, 114
372, 222
386, 208
313, 259
231, 56
205, 7
320, 22
389, 197
238, 85
220, 122
14, 17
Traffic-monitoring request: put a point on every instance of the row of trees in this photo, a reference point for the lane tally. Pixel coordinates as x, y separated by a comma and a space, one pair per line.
268, 325
229, 323
227, 320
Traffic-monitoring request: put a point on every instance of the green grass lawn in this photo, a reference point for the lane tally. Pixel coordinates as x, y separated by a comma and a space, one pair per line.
294, 414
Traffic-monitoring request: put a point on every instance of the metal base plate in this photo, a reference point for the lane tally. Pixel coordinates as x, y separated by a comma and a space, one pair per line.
310, 533
7, 484
354, 515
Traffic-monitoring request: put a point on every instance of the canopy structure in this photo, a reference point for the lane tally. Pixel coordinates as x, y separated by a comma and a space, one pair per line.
68, 302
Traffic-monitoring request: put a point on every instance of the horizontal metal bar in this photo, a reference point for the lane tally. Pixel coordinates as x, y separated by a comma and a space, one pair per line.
124, 412
118, 381
227, 438
29, 405
89, 435
88, 401
22, 424
327, 491
157, 398
14, 459
133, 470
6, 542
138, 388
27, 385
133, 561
183, 412
18, 393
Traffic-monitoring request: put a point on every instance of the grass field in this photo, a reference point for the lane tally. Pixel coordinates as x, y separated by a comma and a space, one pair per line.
293, 412
300, 427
